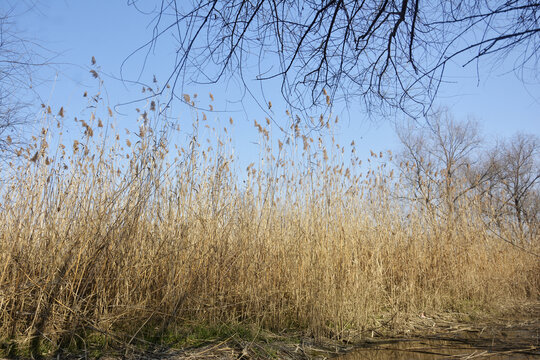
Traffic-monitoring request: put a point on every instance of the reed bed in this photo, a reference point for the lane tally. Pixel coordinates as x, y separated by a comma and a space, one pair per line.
125, 237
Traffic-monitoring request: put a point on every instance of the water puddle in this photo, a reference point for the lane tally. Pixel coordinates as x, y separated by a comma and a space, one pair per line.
439, 349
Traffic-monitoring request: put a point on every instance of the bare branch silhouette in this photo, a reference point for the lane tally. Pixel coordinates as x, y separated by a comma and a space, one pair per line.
386, 54
18, 64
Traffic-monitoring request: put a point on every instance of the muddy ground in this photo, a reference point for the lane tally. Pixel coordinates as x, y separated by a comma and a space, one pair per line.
513, 334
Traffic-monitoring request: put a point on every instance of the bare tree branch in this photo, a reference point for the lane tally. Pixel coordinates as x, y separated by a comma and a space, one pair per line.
389, 54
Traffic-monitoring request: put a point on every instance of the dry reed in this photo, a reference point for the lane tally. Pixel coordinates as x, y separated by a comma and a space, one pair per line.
119, 240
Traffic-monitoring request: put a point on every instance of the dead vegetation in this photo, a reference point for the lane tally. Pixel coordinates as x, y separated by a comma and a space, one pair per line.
110, 241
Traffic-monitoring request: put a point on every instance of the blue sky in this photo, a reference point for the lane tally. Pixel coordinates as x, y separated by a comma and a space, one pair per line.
76, 30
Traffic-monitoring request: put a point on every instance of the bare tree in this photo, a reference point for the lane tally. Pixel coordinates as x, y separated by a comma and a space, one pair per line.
520, 177
440, 161
445, 166
510, 197
17, 64
386, 53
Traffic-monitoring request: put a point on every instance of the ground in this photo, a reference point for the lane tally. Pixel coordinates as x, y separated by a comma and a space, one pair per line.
514, 333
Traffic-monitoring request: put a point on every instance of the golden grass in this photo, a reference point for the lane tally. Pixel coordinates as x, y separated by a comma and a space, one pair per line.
118, 242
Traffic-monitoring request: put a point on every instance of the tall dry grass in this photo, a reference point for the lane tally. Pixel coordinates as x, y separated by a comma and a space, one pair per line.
121, 237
